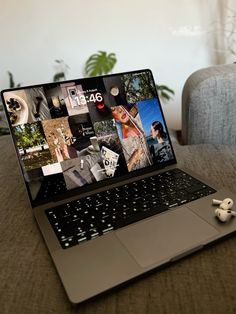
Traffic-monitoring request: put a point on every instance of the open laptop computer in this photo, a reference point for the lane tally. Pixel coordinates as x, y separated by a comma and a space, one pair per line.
103, 182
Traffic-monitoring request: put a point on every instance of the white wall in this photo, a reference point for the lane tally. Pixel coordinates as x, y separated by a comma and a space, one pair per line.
169, 37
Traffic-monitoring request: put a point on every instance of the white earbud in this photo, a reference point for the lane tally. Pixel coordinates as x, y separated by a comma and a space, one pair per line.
224, 215
226, 204
216, 202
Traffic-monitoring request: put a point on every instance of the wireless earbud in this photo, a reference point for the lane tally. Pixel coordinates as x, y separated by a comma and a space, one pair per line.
216, 202
227, 203
224, 215
224, 212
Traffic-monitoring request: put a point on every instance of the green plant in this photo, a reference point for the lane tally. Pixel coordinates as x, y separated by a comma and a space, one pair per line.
11, 81
164, 92
100, 63
62, 70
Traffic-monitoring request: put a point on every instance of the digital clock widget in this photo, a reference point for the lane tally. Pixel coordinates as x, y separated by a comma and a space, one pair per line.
98, 100
91, 97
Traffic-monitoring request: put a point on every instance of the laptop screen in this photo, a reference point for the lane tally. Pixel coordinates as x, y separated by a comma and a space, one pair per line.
77, 135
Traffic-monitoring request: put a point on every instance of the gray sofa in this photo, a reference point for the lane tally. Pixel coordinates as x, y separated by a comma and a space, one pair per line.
209, 106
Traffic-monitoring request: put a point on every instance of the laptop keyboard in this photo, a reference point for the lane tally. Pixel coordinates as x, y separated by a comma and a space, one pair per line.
92, 216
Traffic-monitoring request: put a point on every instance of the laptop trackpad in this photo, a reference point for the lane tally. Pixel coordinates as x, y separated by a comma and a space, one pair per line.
165, 236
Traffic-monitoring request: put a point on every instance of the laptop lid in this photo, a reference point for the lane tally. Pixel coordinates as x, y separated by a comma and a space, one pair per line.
75, 136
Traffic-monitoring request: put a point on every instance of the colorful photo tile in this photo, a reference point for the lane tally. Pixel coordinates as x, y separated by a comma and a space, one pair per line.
105, 128
127, 124
107, 137
32, 146
148, 109
110, 160
74, 98
27, 106
82, 170
154, 130
161, 152
55, 100
114, 94
139, 86
59, 138
136, 153
82, 132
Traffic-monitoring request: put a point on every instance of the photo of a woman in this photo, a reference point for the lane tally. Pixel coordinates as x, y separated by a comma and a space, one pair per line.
160, 151
122, 117
157, 132
132, 138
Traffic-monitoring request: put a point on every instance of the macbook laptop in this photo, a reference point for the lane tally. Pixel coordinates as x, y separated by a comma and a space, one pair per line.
103, 183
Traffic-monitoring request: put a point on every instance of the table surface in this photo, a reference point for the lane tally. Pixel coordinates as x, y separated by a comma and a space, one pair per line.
204, 282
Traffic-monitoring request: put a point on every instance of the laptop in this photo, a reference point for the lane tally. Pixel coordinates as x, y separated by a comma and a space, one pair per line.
103, 183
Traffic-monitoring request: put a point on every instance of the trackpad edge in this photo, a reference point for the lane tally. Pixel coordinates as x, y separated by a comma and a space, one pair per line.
165, 236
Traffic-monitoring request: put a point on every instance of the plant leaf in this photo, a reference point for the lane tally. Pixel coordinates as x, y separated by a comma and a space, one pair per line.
11, 80
100, 63
165, 96
166, 88
59, 76
165, 92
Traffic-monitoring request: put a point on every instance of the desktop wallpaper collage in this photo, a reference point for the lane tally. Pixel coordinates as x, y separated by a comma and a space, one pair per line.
71, 134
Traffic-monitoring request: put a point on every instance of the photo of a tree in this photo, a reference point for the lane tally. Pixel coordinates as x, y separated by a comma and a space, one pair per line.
138, 87
104, 128
32, 145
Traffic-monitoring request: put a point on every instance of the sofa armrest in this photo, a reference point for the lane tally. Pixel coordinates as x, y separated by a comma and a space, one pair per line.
209, 106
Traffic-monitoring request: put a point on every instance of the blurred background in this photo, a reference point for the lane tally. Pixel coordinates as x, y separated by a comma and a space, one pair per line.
172, 38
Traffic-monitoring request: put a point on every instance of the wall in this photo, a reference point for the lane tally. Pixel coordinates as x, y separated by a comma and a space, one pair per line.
170, 37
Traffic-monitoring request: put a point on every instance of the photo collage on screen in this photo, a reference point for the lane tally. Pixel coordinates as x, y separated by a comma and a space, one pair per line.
73, 134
